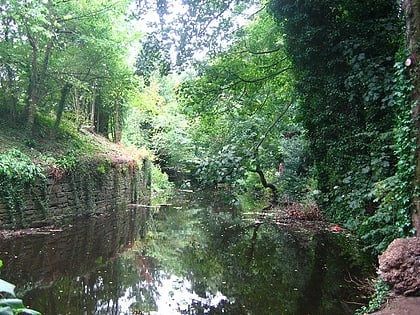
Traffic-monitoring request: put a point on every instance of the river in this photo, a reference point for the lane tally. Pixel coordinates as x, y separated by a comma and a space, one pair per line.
194, 253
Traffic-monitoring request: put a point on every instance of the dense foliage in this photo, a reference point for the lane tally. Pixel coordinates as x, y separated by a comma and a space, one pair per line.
318, 86
354, 107
307, 100
17, 174
243, 111
182, 31
64, 57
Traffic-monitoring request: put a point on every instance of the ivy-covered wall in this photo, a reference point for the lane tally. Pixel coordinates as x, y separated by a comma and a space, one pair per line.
92, 187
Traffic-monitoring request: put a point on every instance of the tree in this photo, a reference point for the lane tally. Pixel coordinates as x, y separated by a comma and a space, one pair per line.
242, 108
64, 53
28, 35
154, 121
182, 31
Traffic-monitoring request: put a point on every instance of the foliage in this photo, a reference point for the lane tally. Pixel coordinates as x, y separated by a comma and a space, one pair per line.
17, 173
154, 121
343, 55
395, 193
241, 109
314, 83
63, 57
15, 165
160, 181
180, 32
378, 298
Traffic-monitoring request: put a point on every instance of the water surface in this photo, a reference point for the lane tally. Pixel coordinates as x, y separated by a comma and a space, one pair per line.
200, 255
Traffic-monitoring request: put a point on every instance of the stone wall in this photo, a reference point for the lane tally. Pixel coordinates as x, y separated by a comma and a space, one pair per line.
95, 187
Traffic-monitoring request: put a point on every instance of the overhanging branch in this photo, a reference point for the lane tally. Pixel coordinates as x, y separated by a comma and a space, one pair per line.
256, 148
258, 169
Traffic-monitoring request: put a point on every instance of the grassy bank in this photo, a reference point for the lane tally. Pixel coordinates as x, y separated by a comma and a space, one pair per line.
61, 147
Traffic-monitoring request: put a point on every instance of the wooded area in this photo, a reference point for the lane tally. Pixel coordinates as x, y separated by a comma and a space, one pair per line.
225, 91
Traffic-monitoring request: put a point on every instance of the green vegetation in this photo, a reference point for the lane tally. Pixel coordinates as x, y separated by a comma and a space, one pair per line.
319, 87
379, 297
17, 172
64, 59
323, 87
355, 106
223, 93
25, 169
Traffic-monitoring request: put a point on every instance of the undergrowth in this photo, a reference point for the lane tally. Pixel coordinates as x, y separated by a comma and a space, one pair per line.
379, 297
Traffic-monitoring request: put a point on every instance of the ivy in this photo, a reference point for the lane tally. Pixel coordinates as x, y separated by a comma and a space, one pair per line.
17, 174
353, 93
378, 299
395, 193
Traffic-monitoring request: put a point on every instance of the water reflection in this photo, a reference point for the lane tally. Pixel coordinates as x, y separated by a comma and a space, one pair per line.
199, 257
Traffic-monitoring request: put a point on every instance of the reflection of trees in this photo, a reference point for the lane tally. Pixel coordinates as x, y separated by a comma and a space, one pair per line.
263, 269
266, 269
100, 288
147, 288
109, 290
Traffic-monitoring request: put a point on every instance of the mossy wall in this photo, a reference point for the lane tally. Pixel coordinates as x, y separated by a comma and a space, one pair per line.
94, 187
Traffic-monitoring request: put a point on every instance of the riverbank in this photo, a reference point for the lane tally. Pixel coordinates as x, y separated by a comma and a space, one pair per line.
400, 261
51, 178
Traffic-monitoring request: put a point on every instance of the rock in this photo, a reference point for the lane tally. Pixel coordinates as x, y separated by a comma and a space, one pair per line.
400, 305
399, 266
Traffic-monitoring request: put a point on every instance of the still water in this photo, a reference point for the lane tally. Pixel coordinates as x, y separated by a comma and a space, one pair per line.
199, 255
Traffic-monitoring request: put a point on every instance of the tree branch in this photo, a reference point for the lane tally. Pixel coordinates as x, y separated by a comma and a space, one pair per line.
263, 52
258, 169
269, 76
256, 148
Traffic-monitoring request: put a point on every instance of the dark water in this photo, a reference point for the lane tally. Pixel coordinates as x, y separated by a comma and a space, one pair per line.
199, 256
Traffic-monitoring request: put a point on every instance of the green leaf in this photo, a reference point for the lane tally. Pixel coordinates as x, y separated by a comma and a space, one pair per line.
347, 180
366, 170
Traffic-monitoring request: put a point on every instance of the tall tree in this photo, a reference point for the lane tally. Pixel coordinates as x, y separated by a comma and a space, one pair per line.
52, 50
242, 107
30, 29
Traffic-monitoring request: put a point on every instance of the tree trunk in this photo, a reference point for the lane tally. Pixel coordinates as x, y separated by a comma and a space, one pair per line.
32, 88
271, 186
36, 81
10, 97
412, 11
64, 92
92, 110
117, 122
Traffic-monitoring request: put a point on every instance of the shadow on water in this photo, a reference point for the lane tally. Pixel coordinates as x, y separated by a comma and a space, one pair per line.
199, 256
